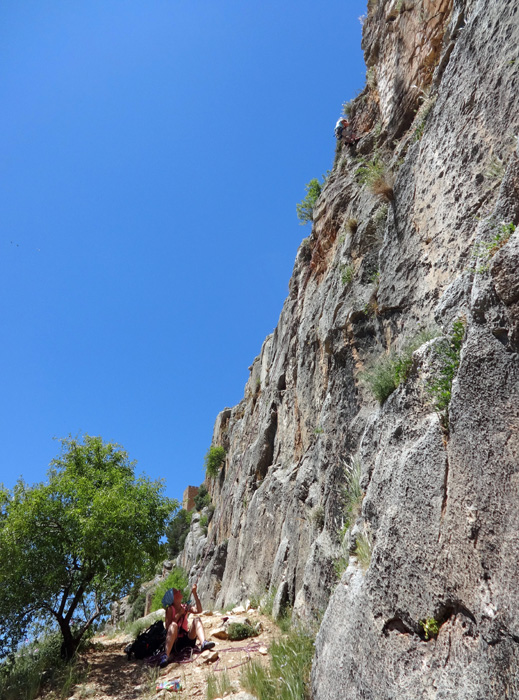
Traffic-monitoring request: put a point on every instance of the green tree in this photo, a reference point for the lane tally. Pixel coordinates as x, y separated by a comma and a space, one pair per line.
214, 459
72, 545
177, 531
305, 209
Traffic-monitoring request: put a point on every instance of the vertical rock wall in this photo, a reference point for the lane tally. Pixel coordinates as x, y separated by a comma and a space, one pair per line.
441, 494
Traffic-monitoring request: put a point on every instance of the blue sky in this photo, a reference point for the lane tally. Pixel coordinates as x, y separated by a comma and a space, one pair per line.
152, 156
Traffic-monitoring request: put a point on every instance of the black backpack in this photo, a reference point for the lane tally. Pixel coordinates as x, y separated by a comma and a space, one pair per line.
149, 642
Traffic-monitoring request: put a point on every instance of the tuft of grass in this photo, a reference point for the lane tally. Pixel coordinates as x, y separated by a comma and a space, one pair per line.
347, 274
214, 459
495, 169
422, 115
380, 216
288, 677
371, 77
486, 250
377, 177
384, 376
369, 170
267, 603
363, 548
352, 492
352, 224
383, 185
218, 685
317, 517
448, 355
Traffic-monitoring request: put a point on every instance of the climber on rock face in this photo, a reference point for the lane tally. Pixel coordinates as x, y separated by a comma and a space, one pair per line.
342, 123
179, 635
344, 132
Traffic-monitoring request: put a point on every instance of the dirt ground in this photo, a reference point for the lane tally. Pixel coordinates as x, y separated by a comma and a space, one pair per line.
110, 676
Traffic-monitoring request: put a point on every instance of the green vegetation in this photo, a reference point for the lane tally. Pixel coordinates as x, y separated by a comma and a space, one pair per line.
422, 115
176, 579
371, 77
384, 376
204, 522
37, 665
214, 459
352, 493
218, 685
341, 564
380, 216
305, 209
485, 250
375, 175
448, 357
288, 677
318, 431
430, 627
317, 517
176, 532
347, 274
363, 548
137, 600
202, 498
352, 496
241, 630
495, 169
70, 546
369, 170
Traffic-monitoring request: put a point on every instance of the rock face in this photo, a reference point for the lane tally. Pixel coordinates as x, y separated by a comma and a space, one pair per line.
431, 610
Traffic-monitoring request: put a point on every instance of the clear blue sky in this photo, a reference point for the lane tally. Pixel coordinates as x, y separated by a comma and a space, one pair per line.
152, 156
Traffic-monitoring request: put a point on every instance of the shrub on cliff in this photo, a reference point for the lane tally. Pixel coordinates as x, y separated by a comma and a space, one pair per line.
305, 209
385, 375
202, 498
214, 459
448, 358
176, 532
70, 546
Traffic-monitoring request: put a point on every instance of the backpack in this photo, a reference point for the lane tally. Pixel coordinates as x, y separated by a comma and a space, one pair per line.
149, 642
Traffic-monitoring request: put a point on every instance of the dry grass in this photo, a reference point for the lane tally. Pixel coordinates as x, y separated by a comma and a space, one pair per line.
382, 186
352, 225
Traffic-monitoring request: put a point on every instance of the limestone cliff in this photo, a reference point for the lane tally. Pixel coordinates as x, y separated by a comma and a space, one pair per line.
434, 611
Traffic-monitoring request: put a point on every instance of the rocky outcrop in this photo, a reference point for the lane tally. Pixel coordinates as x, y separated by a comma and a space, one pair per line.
432, 613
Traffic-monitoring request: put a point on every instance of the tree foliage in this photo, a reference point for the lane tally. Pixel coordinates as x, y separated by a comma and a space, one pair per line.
202, 498
70, 546
305, 208
214, 459
177, 531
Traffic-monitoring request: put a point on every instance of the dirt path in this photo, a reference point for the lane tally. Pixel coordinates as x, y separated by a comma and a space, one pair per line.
111, 676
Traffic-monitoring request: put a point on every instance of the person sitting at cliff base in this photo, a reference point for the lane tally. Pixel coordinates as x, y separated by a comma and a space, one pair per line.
179, 634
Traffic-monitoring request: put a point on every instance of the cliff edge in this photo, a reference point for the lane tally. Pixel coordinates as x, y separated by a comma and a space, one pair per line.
412, 266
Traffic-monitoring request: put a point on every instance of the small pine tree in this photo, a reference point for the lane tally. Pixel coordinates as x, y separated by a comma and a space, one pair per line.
305, 209
214, 459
